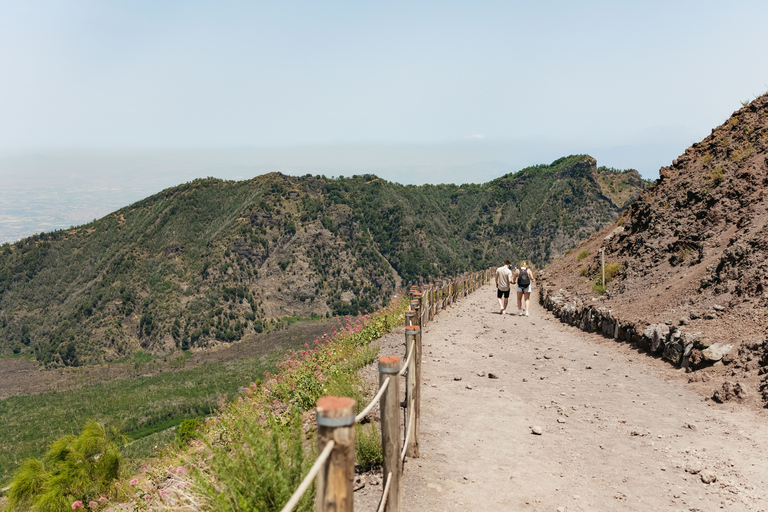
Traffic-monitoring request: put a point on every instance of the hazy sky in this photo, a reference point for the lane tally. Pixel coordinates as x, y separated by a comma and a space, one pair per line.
417, 91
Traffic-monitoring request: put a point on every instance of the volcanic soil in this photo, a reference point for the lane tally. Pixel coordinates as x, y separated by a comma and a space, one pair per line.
619, 429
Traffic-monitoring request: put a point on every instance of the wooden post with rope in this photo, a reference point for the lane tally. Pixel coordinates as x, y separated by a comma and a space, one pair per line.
413, 448
336, 422
389, 366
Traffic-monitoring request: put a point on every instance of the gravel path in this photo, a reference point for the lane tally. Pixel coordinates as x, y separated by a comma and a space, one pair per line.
619, 429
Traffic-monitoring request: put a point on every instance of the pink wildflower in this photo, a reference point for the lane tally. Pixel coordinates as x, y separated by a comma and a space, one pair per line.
163, 492
266, 391
180, 470
103, 499
117, 485
77, 505
306, 345
134, 482
170, 468
147, 497
93, 505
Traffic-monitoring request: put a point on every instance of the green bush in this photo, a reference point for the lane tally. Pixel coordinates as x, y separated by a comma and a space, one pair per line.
582, 255
74, 468
187, 431
368, 451
261, 469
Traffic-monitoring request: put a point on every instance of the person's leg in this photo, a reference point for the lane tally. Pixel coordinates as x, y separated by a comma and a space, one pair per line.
527, 302
500, 295
519, 302
506, 303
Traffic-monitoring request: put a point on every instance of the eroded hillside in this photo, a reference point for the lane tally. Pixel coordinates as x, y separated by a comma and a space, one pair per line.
691, 253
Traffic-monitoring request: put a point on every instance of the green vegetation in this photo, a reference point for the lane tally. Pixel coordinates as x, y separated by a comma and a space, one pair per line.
369, 453
583, 254
211, 261
141, 406
261, 468
742, 152
73, 469
612, 269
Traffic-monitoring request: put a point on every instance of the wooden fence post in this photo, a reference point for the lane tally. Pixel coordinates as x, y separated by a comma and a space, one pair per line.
410, 388
413, 450
336, 421
389, 366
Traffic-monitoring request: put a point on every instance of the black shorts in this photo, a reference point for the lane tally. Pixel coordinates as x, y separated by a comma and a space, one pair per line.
502, 293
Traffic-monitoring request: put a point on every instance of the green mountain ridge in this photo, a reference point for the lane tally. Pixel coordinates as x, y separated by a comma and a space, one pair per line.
209, 261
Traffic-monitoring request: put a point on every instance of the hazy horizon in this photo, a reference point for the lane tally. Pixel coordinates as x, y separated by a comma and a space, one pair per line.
426, 92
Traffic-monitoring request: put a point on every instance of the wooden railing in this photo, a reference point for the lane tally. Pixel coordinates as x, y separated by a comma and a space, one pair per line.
336, 419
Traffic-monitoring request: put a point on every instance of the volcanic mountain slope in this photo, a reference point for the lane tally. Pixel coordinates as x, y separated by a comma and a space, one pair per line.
210, 261
692, 251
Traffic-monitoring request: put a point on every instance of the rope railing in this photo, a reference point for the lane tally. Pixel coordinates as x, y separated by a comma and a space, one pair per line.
408, 360
408, 431
316, 467
375, 400
385, 494
334, 467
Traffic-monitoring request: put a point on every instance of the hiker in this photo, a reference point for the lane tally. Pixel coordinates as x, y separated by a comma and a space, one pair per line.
523, 278
503, 278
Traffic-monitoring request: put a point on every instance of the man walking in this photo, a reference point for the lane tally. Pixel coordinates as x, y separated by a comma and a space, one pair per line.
503, 278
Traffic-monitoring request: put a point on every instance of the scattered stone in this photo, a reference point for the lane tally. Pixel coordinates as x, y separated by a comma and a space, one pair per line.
685, 320
708, 476
537, 430
481, 374
490, 355
560, 509
691, 426
718, 307
716, 351
492, 376
639, 432
468, 386
457, 378
560, 420
693, 467
525, 380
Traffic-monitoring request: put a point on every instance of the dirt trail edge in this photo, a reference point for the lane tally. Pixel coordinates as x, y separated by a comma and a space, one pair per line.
619, 430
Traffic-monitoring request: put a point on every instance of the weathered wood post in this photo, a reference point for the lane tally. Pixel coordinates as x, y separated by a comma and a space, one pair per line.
409, 317
413, 450
410, 387
389, 366
336, 421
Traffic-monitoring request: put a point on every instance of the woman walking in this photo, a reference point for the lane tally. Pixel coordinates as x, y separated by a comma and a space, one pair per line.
523, 278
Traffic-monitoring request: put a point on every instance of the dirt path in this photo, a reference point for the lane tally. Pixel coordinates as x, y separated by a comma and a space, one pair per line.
620, 430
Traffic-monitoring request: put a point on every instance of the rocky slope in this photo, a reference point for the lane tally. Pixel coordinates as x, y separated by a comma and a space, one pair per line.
210, 261
687, 262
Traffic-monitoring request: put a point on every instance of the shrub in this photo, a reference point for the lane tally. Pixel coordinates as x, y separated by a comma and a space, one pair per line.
74, 468
368, 451
583, 254
187, 431
262, 468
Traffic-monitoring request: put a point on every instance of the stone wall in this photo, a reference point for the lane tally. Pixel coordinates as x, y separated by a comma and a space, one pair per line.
680, 348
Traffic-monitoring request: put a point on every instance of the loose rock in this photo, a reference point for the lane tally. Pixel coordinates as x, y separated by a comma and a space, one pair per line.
708, 476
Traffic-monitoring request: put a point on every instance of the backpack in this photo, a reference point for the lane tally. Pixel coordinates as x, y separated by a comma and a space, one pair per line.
523, 278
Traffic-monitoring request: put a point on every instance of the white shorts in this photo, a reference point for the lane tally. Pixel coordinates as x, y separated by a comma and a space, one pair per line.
527, 289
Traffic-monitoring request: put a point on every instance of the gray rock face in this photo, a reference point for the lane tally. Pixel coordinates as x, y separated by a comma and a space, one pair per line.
716, 351
656, 334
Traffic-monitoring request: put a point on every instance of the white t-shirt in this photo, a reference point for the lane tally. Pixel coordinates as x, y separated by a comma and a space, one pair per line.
504, 275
